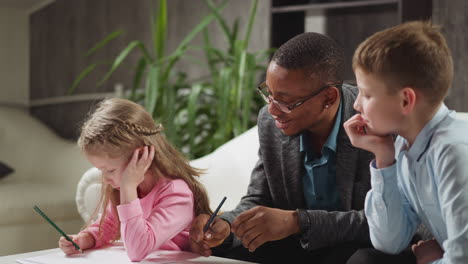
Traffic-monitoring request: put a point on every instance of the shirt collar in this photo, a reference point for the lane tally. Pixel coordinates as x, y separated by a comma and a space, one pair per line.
331, 140
423, 139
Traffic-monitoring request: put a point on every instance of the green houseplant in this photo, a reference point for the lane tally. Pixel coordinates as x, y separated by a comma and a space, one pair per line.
201, 116
228, 97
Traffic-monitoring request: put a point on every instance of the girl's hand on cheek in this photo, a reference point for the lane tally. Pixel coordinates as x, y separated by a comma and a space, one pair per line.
136, 168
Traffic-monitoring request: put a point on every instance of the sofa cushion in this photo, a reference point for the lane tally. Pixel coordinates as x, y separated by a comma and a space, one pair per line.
88, 193
35, 152
228, 169
4, 170
18, 199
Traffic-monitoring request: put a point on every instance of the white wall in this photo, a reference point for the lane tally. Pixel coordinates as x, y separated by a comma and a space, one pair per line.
14, 56
315, 21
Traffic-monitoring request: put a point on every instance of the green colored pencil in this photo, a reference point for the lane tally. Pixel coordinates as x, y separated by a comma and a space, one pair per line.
57, 228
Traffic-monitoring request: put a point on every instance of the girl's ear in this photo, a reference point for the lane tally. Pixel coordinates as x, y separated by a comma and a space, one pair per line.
408, 99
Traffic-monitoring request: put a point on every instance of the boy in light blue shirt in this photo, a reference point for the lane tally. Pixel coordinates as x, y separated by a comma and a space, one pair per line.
403, 74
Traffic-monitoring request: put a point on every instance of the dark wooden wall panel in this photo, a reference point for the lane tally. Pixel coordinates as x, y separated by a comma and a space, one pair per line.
350, 26
416, 10
61, 34
63, 31
90, 26
452, 16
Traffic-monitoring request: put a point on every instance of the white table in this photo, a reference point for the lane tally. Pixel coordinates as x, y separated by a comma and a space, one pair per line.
11, 259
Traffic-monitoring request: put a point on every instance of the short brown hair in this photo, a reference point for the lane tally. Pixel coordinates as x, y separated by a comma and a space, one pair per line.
313, 53
412, 54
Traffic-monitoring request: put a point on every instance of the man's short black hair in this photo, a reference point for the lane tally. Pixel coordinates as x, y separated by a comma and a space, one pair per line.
315, 54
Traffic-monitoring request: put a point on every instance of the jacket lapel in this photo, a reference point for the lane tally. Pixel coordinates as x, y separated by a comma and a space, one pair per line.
292, 171
346, 154
346, 160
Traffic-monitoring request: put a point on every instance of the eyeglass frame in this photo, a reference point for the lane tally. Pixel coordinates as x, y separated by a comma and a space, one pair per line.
269, 99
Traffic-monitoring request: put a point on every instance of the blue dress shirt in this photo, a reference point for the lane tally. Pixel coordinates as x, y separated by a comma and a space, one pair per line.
319, 183
428, 183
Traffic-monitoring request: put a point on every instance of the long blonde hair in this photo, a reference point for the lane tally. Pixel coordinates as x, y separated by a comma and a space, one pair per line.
116, 128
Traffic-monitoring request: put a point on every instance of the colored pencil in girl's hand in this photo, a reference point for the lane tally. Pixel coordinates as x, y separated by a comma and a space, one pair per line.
57, 228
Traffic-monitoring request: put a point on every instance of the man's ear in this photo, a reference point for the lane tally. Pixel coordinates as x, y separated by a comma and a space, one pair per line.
331, 95
408, 99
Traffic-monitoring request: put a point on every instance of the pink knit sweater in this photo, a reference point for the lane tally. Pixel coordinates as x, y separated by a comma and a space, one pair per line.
160, 220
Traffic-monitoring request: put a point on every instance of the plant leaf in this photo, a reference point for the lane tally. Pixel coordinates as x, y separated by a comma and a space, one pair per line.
80, 77
235, 31
139, 71
192, 113
220, 19
253, 11
160, 30
248, 93
123, 54
174, 57
208, 51
101, 44
152, 89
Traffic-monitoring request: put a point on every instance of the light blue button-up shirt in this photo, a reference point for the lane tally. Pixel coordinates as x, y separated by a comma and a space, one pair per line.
429, 184
319, 182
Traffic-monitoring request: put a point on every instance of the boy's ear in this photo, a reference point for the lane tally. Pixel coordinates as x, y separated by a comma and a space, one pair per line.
408, 99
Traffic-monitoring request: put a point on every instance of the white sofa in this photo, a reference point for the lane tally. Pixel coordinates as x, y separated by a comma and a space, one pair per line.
47, 169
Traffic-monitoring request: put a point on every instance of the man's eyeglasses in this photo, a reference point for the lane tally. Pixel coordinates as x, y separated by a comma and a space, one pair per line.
262, 89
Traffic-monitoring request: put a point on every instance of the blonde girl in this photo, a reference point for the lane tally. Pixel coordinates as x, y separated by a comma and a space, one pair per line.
150, 192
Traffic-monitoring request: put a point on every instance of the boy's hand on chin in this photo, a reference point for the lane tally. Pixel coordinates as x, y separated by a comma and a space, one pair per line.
362, 137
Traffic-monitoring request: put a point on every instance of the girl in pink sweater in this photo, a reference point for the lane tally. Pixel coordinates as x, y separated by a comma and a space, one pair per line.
150, 194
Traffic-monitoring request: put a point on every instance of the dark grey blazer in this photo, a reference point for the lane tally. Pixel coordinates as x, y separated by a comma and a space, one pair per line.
276, 181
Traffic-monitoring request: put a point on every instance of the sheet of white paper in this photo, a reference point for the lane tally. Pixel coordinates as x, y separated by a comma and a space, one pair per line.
117, 255
22, 261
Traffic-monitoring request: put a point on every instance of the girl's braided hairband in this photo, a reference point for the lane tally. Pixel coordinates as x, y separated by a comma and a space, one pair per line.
141, 129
